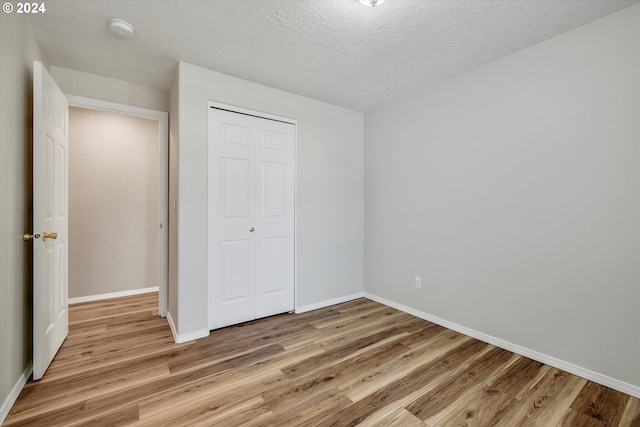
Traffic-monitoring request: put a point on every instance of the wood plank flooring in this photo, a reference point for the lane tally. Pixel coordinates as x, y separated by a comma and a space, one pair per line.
357, 363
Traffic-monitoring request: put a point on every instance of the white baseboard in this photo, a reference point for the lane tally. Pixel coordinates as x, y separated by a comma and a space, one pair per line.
182, 338
15, 392
78, 300
172, 326
327, 303
596, 377
179, 339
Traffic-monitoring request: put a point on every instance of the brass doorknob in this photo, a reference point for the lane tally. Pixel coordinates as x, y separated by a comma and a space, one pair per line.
252, 229
28, 236
52, 236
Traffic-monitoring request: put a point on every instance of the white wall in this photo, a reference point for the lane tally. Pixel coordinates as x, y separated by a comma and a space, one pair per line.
330, 191
18, 50
113, 202
514, 192
79, 83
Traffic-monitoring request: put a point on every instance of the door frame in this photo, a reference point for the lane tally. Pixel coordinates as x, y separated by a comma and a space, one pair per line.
163, 160
260, 114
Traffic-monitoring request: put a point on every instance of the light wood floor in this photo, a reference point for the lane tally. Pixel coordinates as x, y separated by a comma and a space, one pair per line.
353, 363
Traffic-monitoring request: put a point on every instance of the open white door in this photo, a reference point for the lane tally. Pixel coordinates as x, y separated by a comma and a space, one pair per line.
50, 219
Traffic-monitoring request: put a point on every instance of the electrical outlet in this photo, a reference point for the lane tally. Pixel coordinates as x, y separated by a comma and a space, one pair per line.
418, 282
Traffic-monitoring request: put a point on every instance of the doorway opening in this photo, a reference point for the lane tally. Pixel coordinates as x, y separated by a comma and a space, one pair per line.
118, 201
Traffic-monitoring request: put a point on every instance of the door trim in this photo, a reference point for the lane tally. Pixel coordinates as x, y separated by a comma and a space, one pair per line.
163, 197
294, 122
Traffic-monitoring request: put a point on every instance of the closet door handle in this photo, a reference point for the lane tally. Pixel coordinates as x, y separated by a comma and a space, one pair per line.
252, 229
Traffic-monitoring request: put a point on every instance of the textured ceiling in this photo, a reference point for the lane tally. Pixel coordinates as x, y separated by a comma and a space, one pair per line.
337, 51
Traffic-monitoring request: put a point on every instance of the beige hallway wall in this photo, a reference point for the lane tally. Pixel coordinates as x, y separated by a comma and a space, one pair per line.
113, 203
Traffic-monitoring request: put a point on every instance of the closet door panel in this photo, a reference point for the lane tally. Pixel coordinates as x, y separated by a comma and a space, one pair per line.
251, 217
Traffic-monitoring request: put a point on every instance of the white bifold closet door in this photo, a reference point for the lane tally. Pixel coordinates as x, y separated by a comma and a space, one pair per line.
251, 217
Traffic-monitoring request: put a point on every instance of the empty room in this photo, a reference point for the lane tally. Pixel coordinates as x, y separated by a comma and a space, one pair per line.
320, 212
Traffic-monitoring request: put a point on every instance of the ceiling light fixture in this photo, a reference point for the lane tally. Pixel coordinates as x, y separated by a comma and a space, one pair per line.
121, 28
372, 3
